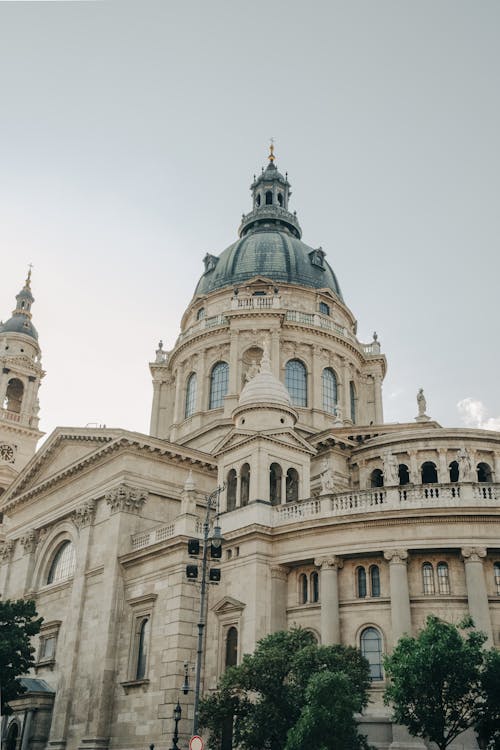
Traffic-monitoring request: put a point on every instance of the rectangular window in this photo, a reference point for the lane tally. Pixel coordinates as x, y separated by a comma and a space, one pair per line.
48, 643
140, 644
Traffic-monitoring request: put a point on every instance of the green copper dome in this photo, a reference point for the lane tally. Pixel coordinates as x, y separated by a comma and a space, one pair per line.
270, 244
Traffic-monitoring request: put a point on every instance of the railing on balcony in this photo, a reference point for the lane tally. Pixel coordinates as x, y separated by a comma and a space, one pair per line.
204, 324
256, 303
146, 538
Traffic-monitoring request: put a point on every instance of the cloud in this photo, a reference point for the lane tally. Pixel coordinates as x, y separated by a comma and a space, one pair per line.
473, 413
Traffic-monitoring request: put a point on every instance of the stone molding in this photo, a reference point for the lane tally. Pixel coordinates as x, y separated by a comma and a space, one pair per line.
396, 556
473, 554
333, 562
6, 550
84, 514
279, 572
125, 498
29, 541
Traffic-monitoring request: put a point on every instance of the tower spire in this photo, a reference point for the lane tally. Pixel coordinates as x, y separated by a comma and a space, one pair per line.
271, 156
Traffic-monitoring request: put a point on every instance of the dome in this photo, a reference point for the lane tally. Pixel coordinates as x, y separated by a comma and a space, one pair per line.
19, 324
272, 253
264, 388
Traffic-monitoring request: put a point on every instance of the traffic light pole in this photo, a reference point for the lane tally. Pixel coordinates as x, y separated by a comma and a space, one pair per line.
211, 502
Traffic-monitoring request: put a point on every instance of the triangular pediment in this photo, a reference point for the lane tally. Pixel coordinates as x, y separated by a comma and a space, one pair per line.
228, 604
286, 438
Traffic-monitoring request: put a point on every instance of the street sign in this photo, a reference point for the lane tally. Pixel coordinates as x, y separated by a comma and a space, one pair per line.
196, 743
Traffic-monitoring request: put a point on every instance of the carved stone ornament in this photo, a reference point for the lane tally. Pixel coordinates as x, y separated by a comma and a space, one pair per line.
396, 555
29, 541
333, 562
473, 554
6, 550
279, 571
84, 514
123, 498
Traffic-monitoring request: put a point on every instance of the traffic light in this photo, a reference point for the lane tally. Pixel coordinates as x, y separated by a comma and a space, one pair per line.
216, 549
192, 572
214, 575
193, 547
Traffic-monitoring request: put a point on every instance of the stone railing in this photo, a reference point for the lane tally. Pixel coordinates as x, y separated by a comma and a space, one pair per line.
256, 303
147, 538
203, 325
10, 416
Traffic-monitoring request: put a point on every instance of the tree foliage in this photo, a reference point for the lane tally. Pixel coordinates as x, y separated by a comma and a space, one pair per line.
268, 693
438, 681
488, 725
18, 623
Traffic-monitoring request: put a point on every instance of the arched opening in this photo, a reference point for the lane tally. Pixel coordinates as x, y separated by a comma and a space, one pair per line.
352, 394
269, 198
454, 471
371, 648
428, 578
63, 563
292, 486
496, 574
377, 478
429, 472
275, 475
375, 580
443, 575
219, 380
14, 395
231, 647
142, 648
296, 381
484, 473
232, 483
314, 587
329, 381
244, 484
324, 308
200, 314
12, 735
190, 395
280, 199
403, 474
303, 589
258, 199
361, 582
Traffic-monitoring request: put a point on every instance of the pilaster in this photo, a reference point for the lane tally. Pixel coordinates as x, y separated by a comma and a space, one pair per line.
329, 587
477, 595
279, 574
400, 596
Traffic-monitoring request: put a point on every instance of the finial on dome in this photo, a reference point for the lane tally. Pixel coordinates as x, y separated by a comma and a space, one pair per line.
27, 283
271, 156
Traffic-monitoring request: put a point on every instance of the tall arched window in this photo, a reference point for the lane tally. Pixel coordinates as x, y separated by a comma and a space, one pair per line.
429, 473
496, 573
296, 381
377, 478
375, 580
404, 474
361, 582
190, 395
200, 314
231, 483
329, 390
142, 648
219, 380
454, 471
352, 394
231, 647
12, 735
303, 589
314, 587
292, 486
63, 563
371, 648
484, 472
244, 484
428, 578
275, 474
14, 395
269, 198
443, 578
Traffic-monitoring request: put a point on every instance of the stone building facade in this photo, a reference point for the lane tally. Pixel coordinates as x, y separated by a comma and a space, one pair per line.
332, 519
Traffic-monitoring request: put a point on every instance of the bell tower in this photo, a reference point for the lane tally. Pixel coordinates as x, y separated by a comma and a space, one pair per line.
20, 375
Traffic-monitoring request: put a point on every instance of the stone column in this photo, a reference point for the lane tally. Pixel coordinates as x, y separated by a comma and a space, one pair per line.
415, 477
400, 596
444, 474
179, 405
155, 409
201, 380
477, 595
4, 379
279, 575
6, 550
346, 392
496, 467
377, 387
316, 381
29, 543
233, 363
329, 595
275, 353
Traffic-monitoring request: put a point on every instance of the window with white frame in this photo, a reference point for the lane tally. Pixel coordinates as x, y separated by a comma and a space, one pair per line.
428, 578
63, 563
443, 575
49, 633
371, 648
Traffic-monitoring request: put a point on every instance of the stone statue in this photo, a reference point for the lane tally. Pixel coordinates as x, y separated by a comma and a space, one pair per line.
391, 469
252, 371
326, 477
161, 356
338, 414
422, 403
464, 465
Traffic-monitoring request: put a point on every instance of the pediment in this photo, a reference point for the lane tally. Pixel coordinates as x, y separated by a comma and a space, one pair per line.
284, 438
228, 604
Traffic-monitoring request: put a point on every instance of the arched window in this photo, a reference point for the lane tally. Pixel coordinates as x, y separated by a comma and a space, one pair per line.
258, 199
269, 198
324, 308
14, 395
232, 483
303, 589
404, 474
454, 471
200, 314
375, 580
483, 472
428, 578
296, 381
443, 578
377, 478
142, 648
496, 573
352, 394
292, 486
231, 647
12, 735
329, 390
275, 474
280, 199
244, 484
219, 379
63, 563
429, 473
190, 395
371, 648
314, 587
361, 582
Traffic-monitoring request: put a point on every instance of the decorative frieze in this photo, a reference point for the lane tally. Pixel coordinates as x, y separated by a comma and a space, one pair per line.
84, 514
124, 498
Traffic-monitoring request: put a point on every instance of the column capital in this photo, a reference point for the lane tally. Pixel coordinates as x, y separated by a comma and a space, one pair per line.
473, 554
6, 550
279, 572
396, 556
29, 541
332, 562
84, 514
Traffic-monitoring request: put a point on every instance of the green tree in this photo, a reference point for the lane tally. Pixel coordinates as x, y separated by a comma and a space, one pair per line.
437, 686
488, 725
19, 621
267, 693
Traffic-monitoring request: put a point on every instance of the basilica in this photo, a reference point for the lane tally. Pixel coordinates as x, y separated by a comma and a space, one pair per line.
331, 519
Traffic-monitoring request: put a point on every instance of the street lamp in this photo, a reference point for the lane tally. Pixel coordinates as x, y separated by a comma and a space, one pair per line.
177, 718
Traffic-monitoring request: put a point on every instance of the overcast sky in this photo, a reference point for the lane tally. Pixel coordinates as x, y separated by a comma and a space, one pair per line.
129, 134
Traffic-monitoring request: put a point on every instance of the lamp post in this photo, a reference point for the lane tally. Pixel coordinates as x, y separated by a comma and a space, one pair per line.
177, 718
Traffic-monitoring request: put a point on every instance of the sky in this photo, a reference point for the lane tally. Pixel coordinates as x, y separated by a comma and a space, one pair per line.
129, 135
